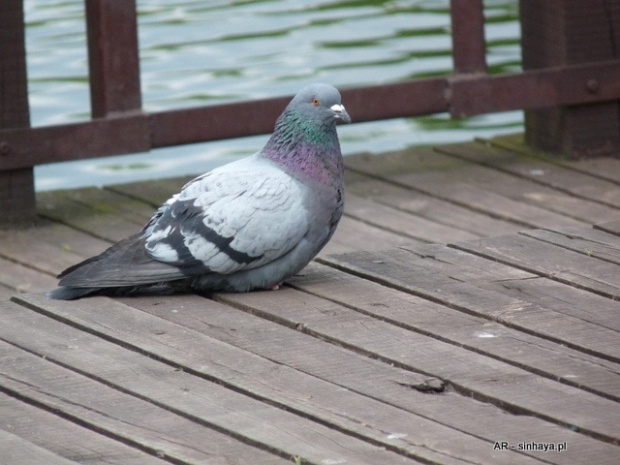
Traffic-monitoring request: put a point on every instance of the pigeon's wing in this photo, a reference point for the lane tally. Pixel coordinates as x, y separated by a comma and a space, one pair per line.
238, 217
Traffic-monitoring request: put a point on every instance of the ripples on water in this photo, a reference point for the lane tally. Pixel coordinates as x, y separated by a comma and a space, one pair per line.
197, 52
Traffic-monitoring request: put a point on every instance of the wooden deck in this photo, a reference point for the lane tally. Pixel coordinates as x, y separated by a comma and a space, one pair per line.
466, 312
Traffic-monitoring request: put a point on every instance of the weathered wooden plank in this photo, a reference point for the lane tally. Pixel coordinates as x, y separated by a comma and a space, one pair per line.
482, 198
129, 405
49, 247
121, 416
366, 375
521, 349
18, 451
590, 190
73, 242
427, 206
6, 292
109, 201
107, 226
568, 301
475, 187
31, 258
590, 242
24, 279
612, 227
603, 167
353, 234
559, 264
470, 373
402, 223
561, 301
434, 272
262, 337
251, 374
523, 184
39, 429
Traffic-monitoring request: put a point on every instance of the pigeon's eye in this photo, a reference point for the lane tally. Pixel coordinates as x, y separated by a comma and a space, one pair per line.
315, 102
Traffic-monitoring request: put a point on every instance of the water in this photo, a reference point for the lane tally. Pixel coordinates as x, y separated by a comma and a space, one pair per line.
196, 52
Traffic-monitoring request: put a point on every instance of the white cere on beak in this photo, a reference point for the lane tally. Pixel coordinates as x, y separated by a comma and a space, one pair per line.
340, 113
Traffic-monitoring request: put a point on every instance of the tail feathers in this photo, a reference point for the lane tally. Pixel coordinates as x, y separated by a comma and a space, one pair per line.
166, 288
71, 293
125, 264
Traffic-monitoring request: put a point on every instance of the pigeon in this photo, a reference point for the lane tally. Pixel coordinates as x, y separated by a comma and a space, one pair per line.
247, 225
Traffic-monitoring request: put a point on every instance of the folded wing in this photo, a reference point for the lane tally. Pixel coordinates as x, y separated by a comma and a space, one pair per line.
236, 218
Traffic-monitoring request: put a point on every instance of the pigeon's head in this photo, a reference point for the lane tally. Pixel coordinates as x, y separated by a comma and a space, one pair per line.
320, 103
307, 127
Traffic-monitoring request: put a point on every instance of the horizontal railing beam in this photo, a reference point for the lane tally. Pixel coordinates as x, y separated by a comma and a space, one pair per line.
461, 95
248, 118
549, 87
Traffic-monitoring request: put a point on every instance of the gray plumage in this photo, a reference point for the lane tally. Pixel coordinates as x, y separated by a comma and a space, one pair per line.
246, 225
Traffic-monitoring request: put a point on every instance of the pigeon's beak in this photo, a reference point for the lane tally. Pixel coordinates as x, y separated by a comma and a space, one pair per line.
340, 113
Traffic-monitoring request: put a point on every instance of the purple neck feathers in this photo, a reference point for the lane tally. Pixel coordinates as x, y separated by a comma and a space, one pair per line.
305, 148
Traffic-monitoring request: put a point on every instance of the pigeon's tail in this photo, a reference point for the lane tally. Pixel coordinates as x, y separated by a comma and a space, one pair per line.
122, 267
71, 293
166, 288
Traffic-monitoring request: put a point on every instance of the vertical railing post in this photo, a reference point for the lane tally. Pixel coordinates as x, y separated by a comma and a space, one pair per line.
16, 186
113, 56
468, 43
565, 32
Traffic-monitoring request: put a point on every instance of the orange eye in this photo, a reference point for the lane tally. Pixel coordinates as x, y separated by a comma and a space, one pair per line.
315, 102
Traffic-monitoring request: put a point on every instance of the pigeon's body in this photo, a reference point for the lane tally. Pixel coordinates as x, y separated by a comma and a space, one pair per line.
246, 225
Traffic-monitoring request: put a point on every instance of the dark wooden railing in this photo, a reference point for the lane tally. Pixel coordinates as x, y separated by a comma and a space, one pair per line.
564, 85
